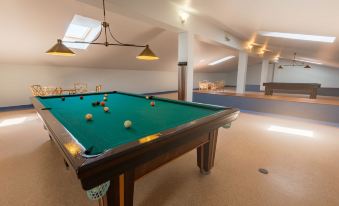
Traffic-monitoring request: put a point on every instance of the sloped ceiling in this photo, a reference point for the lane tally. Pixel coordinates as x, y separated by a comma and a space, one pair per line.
29, 28
244, 18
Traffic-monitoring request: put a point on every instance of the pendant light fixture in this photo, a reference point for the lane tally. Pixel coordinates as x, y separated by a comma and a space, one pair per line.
61, 50
295, 63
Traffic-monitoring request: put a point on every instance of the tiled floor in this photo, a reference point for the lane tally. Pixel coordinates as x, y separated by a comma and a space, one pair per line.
303, 170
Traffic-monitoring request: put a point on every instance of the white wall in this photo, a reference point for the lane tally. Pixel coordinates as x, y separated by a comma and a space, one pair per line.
212, 77
231, 77
15, 80
326, 76
252, 76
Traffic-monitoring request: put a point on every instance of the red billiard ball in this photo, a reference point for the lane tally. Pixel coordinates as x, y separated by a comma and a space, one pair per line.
102, 104
81, 97
152, 104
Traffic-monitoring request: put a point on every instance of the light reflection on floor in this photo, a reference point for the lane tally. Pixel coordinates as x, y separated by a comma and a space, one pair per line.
289, 130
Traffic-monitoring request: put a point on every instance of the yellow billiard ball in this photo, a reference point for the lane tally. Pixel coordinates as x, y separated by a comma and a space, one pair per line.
147, 97
106, 109
128, 124
88, 117
105, 95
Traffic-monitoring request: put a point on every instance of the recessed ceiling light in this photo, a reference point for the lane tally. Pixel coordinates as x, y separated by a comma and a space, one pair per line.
327, 39
221, 60
183, 16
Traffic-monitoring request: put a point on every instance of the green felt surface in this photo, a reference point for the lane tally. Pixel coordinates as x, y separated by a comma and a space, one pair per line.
107, 130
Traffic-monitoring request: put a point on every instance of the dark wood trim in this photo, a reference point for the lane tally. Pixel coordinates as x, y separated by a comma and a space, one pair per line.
206, 153
182, 81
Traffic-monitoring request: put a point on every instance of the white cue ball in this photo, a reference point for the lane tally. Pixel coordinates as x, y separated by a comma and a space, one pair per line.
89, 116
128, 124
106, 109
105, 98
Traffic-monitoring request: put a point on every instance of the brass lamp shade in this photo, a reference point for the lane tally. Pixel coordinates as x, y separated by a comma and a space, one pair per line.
60, 49
147, 54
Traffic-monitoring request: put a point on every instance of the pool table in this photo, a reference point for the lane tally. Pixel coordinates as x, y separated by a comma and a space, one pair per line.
108, 158
311, 88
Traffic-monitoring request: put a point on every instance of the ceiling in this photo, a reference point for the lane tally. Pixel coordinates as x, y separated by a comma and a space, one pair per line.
32, 27
29, 34
244, 18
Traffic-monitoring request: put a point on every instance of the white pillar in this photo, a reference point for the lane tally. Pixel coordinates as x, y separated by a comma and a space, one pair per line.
242, 70
264, 73
185, 54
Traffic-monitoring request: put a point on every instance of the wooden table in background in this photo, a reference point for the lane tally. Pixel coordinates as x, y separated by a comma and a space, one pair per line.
311, 88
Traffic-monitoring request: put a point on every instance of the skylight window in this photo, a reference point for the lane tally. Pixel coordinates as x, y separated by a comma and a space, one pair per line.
221, 60
81, 29
77, 31
326, 39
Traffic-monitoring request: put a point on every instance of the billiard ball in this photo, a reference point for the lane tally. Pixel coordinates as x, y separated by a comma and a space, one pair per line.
81, 97
97, 103
150, 97
62, 98
105, 95
94, 104
128, 124
105, 98
102, 104
152, 103
88, 117
106, 109
147, 97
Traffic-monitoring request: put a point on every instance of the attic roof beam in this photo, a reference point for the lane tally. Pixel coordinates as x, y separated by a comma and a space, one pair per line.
164, 14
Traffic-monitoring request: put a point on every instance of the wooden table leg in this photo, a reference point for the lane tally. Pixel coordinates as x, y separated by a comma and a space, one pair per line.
121, 190
313, 94
268, 90
206, 153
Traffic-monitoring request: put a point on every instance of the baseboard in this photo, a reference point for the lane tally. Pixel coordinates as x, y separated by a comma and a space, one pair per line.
17, 107
319, 112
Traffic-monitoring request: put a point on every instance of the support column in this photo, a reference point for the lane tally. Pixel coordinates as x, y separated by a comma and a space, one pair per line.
242, 70
185, 66
264, 73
